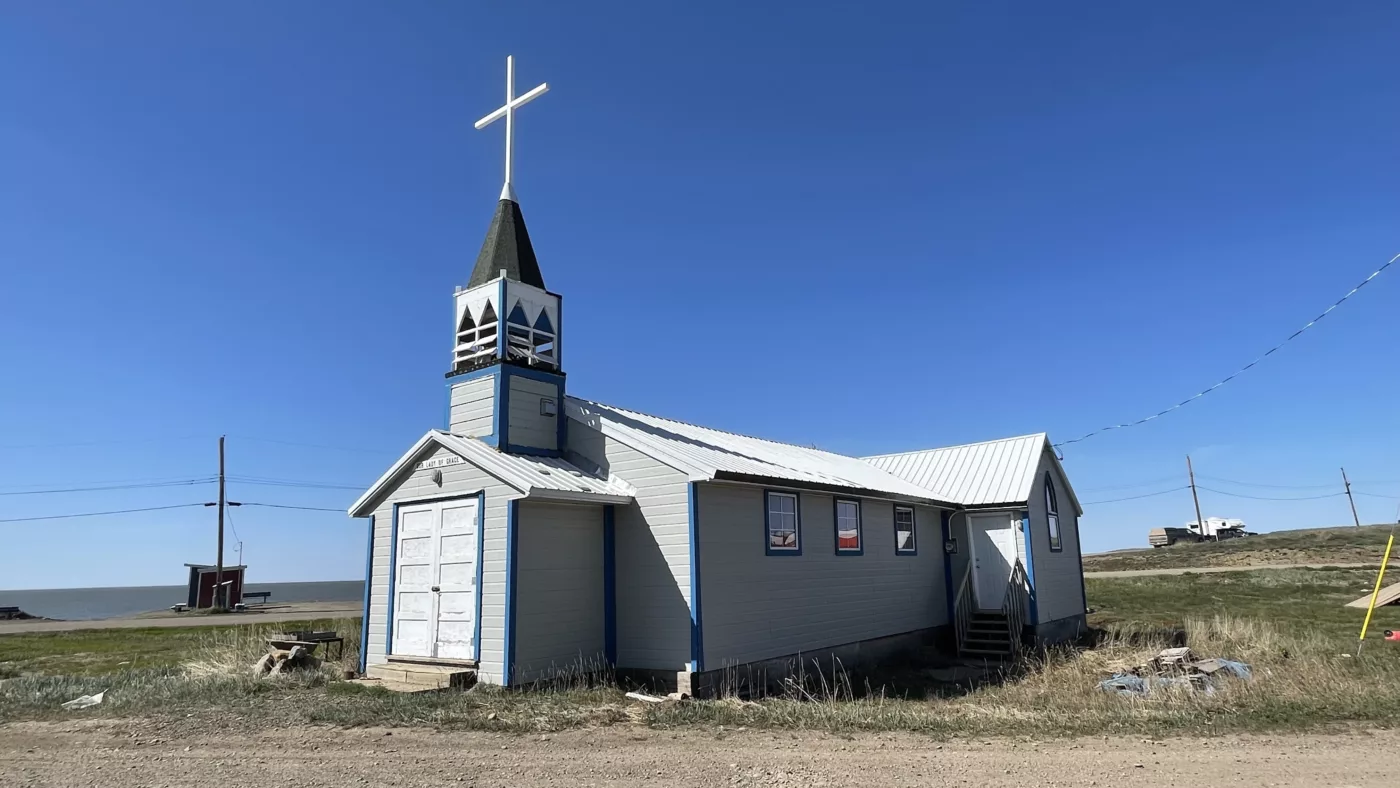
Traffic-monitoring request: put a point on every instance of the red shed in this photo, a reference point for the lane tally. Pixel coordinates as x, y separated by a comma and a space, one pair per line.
201, 590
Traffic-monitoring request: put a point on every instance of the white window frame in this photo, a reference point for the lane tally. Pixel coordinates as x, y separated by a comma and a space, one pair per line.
913, 549
859, 549
1052, 516
768, 497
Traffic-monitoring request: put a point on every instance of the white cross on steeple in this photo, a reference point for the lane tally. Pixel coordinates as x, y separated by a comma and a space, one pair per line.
508, 112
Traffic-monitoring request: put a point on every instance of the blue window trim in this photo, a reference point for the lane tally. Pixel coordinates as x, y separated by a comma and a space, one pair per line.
480, 496
369, 587
1052, 506
768, 547
836, 527
913, 521
609, 585
1079, 554
697, 619
512, 554
1034, 617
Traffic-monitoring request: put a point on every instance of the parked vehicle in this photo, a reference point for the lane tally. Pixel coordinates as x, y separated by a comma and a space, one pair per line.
1215, 529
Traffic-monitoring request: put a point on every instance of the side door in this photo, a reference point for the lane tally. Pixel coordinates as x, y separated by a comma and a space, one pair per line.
455, 587
415, 558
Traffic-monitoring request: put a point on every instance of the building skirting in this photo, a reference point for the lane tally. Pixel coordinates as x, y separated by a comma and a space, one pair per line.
767, 676
1062, 630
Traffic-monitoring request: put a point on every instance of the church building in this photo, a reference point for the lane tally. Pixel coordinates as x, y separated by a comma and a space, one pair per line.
533, 533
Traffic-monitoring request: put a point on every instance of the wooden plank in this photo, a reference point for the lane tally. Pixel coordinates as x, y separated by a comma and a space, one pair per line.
1388, 596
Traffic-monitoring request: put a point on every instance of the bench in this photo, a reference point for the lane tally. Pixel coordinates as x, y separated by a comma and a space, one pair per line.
310, 638
261, 596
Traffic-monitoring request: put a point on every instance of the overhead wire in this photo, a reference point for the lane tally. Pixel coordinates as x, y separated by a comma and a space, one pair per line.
286, 506
145, 486
308, 445
1241, 370
1137, 497
1266, 498
97, 514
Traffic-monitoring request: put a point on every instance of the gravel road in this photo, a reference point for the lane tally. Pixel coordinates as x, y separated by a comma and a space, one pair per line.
133, 755
1181, 570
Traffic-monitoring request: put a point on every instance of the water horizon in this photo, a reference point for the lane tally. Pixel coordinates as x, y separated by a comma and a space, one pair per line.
100, 602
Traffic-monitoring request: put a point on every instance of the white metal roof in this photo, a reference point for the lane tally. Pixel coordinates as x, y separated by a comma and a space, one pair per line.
703, 453
975, 474
545, 478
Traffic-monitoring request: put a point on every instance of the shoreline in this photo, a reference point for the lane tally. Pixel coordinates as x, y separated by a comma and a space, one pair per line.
269, 614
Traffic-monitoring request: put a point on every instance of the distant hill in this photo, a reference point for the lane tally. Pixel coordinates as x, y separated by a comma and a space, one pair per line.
1348, 545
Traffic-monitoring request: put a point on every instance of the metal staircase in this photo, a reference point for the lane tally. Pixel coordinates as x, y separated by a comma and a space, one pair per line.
987, 636
984, 634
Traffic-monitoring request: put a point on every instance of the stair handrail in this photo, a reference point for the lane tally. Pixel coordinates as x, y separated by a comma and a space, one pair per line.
962, 607
1013, 606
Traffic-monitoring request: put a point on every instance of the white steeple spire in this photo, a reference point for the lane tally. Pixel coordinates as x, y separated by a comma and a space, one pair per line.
507, 111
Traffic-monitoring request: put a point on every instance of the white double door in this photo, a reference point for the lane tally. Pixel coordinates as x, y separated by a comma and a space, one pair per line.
435, 589
993, 557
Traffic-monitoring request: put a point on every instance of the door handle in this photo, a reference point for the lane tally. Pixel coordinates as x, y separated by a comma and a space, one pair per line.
435, 589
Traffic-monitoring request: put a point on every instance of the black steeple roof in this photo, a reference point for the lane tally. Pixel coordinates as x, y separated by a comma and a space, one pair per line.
507, 248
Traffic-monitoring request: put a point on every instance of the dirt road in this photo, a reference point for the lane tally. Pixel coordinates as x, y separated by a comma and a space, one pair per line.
1181, 570
271, 614
131, 755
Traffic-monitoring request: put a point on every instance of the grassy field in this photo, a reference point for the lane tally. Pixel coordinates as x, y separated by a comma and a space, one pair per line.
1364, 545
1287, 624
99, 652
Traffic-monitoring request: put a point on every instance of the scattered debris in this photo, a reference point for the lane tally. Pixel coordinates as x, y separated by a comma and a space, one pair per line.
14, 614
1179, 668
641, 696
281, 660
85, 701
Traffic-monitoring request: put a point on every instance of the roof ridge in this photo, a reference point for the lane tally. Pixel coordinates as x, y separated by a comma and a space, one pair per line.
713, 429
958, 446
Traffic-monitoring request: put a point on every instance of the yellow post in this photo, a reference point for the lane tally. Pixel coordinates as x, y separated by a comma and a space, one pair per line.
1377, 592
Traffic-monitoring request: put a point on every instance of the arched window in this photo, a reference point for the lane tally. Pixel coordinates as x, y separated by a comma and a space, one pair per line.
1052, 515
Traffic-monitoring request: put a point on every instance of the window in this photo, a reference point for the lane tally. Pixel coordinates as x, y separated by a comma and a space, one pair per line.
848, 528
1052, 515
782, 524
904, 543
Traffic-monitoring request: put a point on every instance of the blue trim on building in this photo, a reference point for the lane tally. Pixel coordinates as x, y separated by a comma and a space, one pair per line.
913, 522
369, 585
393, 592
1052, 502
697, 619
1079, 547
559, 344
530, 451
768, 548
836, 526
610, 585
473, 375
502, 408
480, 568
502, 342
542, 375
1030, 565
512, 554
946, 520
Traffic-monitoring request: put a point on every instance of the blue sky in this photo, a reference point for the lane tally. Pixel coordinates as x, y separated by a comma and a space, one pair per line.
874, 230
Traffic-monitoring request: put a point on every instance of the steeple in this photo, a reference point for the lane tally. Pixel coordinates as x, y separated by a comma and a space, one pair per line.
506, 384
507, 249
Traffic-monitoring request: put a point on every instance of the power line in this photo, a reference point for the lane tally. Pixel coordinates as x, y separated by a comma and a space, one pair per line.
150, 485
1265, 498
98, 514
293, 483
1377, 495
285, 506
1136, 497
130, 441
1271, 486
308, 445
1243, 369
1163, 480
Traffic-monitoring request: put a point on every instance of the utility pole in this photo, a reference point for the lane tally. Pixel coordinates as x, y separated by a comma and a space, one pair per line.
1347, 482
1191, 473
219, 561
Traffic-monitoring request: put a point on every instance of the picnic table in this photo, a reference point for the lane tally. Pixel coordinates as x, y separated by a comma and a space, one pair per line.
310, 639
261, 596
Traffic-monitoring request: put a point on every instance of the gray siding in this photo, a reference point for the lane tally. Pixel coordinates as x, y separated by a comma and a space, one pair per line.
1058, 582
473, 407
558, 589
456, 480
759, 607
527, 427
652, 544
